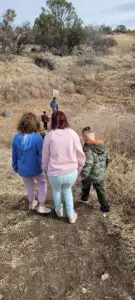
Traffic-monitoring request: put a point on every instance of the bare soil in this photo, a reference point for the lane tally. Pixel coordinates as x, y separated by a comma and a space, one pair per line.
45, 258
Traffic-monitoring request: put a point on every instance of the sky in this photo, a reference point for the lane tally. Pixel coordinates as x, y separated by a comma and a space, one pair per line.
93, 12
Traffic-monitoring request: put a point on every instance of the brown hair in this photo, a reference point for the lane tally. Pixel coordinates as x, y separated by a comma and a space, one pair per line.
59, 120
87, 129
28, 123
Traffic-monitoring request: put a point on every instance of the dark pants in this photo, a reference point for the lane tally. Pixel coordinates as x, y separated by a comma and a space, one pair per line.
99, 187
45, 126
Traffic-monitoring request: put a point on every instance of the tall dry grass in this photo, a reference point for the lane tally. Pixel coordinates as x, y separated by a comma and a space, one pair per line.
109, 77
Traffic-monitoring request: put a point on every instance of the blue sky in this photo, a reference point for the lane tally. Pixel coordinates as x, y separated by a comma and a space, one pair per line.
92, 12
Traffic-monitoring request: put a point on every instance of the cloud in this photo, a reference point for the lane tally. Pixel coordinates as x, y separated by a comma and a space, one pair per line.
126, 7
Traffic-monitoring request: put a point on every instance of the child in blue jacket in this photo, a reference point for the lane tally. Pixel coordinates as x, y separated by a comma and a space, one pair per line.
27, 158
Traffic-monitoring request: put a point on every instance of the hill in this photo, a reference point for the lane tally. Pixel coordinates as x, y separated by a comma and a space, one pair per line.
45, 258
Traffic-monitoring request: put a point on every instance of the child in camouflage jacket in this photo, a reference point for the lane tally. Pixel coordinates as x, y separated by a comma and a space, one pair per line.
95, 167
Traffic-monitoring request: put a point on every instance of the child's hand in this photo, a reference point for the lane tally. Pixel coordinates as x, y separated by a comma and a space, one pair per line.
79, 180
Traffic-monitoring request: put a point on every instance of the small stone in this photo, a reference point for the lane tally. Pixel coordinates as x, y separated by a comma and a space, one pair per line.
84, 291
1, 296
7, 114
105, 277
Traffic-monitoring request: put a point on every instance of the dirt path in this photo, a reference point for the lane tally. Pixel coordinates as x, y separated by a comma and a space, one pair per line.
46, 259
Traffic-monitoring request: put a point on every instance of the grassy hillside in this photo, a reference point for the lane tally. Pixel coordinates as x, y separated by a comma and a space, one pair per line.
102, 79
97, 91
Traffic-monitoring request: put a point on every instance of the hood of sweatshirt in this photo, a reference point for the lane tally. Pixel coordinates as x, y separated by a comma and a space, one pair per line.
25, 141
97, 146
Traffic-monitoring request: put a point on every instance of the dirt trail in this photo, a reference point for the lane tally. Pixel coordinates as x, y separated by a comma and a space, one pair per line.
47, 259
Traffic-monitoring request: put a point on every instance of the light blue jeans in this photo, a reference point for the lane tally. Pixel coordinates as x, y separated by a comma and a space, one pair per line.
63, 185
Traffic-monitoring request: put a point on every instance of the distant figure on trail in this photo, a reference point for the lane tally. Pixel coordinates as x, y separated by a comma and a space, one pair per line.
95, 167
63, 158
45, 119
26, 160
54, 104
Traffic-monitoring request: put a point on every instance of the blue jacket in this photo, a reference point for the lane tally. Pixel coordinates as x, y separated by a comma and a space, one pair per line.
54, 105
27, 154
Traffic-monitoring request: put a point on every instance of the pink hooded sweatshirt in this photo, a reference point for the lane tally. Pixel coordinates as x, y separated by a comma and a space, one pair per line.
62, 152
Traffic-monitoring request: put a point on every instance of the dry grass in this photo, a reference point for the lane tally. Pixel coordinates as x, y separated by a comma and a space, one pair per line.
107, 76
121, 178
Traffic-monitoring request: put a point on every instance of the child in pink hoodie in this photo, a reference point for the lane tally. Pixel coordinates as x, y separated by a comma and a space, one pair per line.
62, 160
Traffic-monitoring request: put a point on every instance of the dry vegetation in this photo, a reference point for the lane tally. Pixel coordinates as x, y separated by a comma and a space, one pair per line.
94, 90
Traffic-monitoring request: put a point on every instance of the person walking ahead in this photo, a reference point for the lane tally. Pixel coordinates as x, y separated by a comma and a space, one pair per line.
26, 160
54, 104
95, 167
63, 158
45, 119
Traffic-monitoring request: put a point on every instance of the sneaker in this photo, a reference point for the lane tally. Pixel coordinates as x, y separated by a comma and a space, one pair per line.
105, 210
85, 201
33, 204
42, 209
60, 214
73, 219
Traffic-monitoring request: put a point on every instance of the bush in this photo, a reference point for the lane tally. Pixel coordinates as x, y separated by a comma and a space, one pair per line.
102, 44
99, 42
44, 63
121, 29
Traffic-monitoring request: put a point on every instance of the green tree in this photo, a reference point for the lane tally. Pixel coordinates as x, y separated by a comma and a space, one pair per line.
8, 18
106, 29
75, 36
121, 29
46, 29
13, 39
63, 11
21, 37
6, 31
58, 26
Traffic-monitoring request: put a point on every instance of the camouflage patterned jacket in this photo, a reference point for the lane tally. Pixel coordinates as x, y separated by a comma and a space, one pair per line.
96, 161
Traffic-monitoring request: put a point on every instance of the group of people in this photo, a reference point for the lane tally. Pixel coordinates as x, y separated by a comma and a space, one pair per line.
59, 156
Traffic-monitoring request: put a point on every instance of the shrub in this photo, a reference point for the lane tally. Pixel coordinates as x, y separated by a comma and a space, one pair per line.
99, 42
44, 63
121, 29
102, 44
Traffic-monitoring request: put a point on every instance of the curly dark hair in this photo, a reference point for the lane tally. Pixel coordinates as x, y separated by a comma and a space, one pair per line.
28, 123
